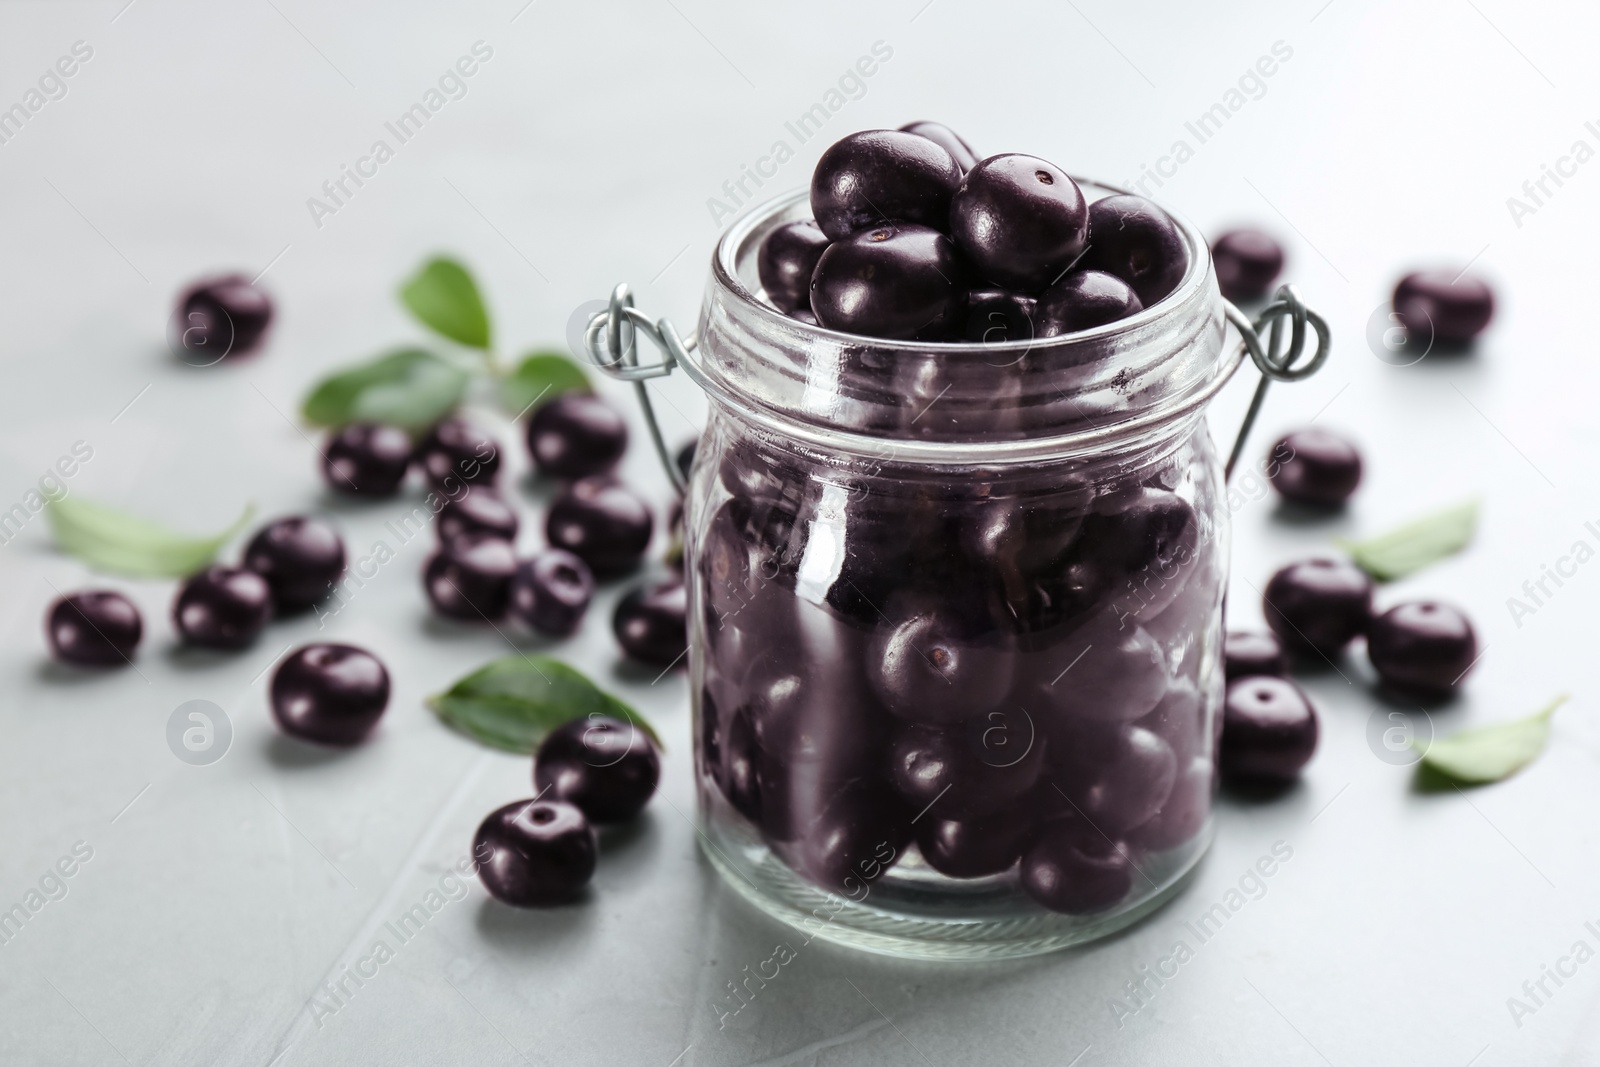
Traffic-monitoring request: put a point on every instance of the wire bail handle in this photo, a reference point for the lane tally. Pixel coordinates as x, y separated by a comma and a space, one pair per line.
610, 343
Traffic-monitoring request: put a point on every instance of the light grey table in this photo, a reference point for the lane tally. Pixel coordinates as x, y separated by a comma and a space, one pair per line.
593, 146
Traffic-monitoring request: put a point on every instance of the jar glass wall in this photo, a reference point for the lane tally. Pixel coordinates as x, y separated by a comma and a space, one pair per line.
955, 618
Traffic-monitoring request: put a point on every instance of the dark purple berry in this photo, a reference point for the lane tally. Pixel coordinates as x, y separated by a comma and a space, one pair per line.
221, 317
94, 628
882, 176
1149, 538
479, 510
603, 523
1120, 777
1083, 300
607, 768
1074, 870
329, 693
933, 661
366, 459
1247, 262
1246, 653
685, 457
1108, 672
1184, 813
947, 139
551, 592
805, 315
1020, 220
1443, 305
222, 607
535, 853
1314, 467
300, 557
786, 261
951, 774
892, 281
1138, 242
995, 315
1269, 730
470, 577
974, 848
1423, 647
1318, 605
651, 623
576, 435
455, 452
858, 836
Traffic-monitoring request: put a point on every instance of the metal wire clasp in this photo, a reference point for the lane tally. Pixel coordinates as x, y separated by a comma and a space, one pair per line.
610, 342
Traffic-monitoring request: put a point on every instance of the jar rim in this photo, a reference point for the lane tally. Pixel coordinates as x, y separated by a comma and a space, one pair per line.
1196, 286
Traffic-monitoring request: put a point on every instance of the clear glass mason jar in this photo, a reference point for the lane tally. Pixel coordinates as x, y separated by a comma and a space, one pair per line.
955, 617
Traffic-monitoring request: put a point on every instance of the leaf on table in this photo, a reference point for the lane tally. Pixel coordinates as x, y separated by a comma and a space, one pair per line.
446, 300
541, 376
1490, 753
1414, 546
514, 701
115, 541
411, 388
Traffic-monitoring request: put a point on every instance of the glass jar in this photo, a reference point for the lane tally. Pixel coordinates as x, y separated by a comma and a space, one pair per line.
955, 617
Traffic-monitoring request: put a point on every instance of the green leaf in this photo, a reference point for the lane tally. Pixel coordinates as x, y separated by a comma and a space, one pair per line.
514, 701
411, 388
1414, 546
445, 298
541, 376
112, 540
1490, 753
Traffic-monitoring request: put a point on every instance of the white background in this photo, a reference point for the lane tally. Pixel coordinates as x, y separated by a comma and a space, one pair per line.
584, 154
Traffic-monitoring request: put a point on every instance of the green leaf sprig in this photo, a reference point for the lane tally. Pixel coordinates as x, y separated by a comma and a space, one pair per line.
1409, 548
112, 540
411, 388
1490, 753
513, 702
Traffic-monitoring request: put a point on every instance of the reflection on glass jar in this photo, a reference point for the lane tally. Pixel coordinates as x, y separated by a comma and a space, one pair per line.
955, 617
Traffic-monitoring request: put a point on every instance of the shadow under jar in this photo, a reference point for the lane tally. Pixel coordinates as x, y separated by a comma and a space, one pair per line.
955, 617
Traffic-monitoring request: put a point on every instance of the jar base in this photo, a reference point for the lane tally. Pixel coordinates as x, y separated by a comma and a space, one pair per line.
990, 923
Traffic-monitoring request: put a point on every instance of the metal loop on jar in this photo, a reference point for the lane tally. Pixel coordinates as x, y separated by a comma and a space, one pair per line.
1274, 359
618, 356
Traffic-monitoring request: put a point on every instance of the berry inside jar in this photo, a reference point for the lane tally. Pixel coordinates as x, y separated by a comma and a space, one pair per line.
957, 549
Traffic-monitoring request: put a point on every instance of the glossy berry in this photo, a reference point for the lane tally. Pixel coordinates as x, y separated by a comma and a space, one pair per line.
1074, 870
1113, 673
996, 315
1083, 300
478, 510
651, 623
1269, 730
974, 848
576, 435
931, 661
94, 628
535, 853
1443, 305
222, 607
1246, 653
1314, 467
607, 768
603, 523
551, 592
950, 774
1123, 776
366, 459
1247, 262
470, 577
860, 833
1136, 241
892, 281
222, 317
329, 693
881, 176
786, 261
455, 452
1148, 539
1020, 220
1318, 605
947, 139
301, 558
1184, 814
1422, 646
